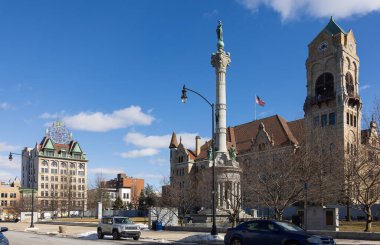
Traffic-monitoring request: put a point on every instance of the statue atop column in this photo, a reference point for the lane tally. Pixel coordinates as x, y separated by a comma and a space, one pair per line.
219, 33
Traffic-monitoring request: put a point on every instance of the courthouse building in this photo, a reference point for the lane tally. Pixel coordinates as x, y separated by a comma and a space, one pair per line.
57, 168
332, 121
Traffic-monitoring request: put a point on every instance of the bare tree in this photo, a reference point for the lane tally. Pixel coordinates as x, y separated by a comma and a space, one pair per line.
364, 166
180, 194
99, 193
275, 177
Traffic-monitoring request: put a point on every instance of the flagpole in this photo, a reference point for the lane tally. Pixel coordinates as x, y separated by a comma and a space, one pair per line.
255, 107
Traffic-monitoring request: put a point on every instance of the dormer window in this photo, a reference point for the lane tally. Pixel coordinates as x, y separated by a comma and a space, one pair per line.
49, 153
76, 155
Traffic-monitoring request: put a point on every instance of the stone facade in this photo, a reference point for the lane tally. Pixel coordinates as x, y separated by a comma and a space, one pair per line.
57, 168
328, 134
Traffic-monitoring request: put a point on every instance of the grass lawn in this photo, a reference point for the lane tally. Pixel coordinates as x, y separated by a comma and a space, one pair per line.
358, 226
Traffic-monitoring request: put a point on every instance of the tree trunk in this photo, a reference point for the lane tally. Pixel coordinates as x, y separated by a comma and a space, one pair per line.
233, 217
278, 214
348, 211
368, 225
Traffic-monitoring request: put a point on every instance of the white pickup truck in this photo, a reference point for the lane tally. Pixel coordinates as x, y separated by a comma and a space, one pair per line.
118, 227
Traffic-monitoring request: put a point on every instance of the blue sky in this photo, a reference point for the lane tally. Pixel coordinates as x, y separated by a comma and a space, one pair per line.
113, 71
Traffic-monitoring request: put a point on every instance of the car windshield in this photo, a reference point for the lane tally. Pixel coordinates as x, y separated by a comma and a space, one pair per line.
288, 226
123, 221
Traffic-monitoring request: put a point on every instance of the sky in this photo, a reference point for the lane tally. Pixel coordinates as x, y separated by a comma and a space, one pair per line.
113, 71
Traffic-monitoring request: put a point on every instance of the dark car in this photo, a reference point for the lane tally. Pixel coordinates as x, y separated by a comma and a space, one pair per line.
3, 239
265, 232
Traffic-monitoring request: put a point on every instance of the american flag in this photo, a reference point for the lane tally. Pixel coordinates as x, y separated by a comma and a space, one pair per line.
259, 101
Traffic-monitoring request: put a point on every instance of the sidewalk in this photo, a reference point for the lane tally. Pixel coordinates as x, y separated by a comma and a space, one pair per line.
90, 232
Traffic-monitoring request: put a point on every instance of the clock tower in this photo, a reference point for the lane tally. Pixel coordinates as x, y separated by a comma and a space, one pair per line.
333, 105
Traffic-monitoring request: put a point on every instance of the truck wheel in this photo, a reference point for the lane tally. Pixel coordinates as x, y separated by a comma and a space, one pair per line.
115, 235
100, 234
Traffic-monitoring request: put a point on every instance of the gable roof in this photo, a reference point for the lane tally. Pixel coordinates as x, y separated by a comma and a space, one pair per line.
281, 131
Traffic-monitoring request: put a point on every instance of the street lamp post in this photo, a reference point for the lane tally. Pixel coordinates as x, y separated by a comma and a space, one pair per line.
305, 206
30, 159
184, 98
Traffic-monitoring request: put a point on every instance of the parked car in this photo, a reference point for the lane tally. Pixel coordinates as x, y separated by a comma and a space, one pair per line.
118, 227
3, 239
264, 232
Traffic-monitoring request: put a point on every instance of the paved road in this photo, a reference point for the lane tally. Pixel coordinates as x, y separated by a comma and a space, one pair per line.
28, 238
22, 238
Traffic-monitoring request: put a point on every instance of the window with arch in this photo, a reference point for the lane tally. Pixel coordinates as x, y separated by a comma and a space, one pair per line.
261, 147
324, 87
350, 87
44, 163
72, 165
63, 165
81, 166
54, 164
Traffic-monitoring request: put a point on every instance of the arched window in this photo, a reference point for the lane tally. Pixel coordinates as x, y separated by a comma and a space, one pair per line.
350, 87
324, 87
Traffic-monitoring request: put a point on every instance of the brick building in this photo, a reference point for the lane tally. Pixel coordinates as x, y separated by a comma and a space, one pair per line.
127, 188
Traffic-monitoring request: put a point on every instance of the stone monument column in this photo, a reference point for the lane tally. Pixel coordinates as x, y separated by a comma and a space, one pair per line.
220, 60
226, 167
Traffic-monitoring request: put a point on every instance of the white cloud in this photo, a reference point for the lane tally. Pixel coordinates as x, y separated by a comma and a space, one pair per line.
140, 153
5, 164
5, 147
105, 171
159, 161
102, 122
291, 9
152, 141
160, 141
364, 87
4, 106
47, 115
6, 176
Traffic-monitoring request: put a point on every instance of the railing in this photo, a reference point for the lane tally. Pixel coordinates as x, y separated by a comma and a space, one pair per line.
323, 97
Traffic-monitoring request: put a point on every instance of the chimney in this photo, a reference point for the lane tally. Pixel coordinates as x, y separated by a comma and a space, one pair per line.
197, 145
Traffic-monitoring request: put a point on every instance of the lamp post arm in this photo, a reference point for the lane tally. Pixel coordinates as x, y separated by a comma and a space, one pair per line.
195, 92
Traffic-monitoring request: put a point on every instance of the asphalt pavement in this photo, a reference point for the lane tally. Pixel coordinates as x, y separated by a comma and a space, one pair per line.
21, 234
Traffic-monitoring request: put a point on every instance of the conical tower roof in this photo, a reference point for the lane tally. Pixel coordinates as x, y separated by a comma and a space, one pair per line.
173, 141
